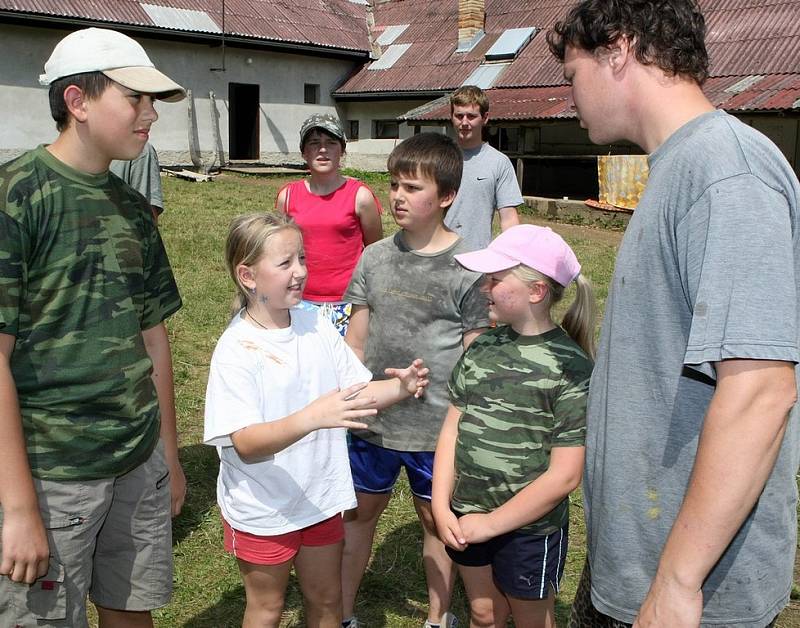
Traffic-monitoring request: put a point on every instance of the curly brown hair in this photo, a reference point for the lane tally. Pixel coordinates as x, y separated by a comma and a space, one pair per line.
669, 34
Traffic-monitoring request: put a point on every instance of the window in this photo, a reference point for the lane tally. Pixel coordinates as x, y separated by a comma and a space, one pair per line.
311, 95
385, 129
352, 130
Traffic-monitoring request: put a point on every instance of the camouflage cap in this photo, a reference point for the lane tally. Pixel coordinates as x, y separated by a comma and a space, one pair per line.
325, 121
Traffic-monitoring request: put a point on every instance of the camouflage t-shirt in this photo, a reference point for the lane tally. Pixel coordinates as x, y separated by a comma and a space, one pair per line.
520, 396
82, 272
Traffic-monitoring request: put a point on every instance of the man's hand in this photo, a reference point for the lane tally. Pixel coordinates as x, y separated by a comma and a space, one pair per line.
26, 554
669, 604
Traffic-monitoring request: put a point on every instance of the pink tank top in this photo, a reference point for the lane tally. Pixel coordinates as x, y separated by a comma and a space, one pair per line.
332, 236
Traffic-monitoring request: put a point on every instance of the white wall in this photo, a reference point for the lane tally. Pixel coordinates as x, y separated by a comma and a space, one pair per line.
281, 78
367, 153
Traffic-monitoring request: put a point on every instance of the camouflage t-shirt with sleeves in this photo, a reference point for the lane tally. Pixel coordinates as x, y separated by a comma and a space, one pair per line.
520, 396
83, 271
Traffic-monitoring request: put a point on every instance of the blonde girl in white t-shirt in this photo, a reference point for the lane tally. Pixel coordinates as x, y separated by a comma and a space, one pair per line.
282, 390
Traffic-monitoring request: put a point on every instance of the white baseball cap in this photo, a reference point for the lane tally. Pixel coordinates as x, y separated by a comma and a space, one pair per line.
116, 55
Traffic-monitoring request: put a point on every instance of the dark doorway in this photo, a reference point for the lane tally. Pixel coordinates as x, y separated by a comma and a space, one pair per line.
243, 131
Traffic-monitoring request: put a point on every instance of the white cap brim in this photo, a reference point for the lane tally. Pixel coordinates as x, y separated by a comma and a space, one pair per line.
147, 80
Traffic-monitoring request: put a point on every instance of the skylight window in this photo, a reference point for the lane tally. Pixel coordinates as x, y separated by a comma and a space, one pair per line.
510, 43
486, 74
745, 84
389, 57
390, 33
180, 19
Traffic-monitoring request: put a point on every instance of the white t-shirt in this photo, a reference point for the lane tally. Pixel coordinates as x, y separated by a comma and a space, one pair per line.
260, 375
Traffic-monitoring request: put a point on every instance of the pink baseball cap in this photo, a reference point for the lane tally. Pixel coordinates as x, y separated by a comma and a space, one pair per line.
540, 248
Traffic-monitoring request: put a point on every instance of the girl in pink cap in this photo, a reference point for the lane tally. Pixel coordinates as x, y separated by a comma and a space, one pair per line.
512, 445
338, 216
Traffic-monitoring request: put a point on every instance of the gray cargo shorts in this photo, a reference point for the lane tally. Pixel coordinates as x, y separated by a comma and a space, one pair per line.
110, 538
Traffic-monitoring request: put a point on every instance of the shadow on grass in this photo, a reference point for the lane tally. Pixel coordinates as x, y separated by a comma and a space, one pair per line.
227, 613
200, 465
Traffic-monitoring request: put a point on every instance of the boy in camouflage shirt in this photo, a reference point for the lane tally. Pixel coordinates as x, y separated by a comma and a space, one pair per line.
87, 420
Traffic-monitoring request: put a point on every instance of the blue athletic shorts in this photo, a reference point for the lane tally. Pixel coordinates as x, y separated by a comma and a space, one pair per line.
524, 566
376, 469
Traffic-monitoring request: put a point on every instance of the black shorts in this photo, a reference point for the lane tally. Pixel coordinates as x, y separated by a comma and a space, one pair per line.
524, 566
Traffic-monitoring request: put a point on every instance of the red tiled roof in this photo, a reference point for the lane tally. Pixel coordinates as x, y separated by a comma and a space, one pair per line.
732, 93
324, 23
744, 37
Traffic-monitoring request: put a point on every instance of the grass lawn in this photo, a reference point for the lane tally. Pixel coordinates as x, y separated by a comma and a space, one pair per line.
208, 589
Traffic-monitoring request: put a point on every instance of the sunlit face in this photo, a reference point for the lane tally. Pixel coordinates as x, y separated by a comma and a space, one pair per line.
322, 152
509, 298
118, 122
415, 201
594, 93
280, 274
468, 123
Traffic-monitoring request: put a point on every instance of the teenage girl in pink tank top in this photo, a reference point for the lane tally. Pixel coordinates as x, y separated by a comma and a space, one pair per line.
338, 216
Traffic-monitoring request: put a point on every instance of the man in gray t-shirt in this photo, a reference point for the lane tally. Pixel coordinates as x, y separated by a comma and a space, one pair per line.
692, 441
488, 182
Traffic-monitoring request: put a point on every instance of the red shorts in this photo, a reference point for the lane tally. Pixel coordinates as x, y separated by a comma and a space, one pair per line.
274, 550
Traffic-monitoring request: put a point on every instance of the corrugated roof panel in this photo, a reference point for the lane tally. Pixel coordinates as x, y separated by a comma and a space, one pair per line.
331, 23
389, 57
181, 19
390, 33
484, 76
748, 81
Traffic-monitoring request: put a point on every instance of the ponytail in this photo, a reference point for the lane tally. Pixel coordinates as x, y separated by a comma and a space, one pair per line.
579, 321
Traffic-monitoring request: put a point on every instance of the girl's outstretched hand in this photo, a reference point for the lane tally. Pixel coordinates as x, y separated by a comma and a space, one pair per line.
414, 378
342, 408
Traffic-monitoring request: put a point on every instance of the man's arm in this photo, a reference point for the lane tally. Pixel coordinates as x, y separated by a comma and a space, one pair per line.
739, 443
356, 336
25, 552
156, 343
508, 217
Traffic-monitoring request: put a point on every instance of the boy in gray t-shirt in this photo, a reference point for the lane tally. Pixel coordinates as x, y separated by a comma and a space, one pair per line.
411, 298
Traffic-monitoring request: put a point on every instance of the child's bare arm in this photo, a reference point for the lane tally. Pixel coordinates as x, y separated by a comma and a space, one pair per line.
444, 473
25, 552
156, 343
404, 383
335, 409
534, 501
356, 336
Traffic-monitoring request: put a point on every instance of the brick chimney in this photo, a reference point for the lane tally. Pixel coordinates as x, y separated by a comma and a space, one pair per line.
471, 18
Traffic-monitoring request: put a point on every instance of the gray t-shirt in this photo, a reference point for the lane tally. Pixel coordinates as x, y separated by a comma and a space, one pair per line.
488, 183
420, 305
143, 175
708, 270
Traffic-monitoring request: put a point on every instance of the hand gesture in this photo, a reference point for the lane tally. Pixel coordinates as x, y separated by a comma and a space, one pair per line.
414, 378
342, 408
449, 530
477, 527
26, 554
